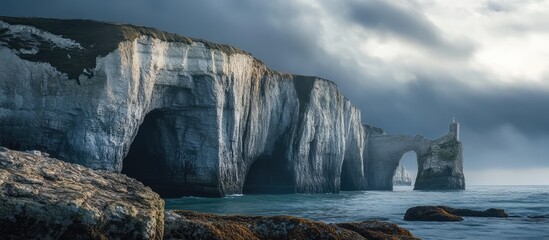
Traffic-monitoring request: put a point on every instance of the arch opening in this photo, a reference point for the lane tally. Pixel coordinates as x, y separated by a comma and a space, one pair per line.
406, 173
269, 175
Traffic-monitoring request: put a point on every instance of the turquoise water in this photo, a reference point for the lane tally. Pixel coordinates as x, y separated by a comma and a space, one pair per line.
519, 201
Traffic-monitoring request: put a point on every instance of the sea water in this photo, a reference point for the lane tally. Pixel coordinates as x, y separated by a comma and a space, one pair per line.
520, 202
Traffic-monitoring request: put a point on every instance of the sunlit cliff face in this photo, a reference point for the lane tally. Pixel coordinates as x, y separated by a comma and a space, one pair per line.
409, 65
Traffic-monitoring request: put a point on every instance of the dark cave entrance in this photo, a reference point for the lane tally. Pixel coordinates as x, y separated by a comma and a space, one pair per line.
146, 159
269, 175
348, 183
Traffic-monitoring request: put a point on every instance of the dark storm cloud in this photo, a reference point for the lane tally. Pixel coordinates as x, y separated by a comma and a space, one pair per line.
501, 127
426, 103
285, 35
408, 23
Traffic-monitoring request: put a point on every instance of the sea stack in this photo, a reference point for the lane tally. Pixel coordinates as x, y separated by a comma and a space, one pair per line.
402, 177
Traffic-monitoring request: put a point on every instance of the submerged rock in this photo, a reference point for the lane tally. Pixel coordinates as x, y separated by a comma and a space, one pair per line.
44, 198
491, 212
444, 213
378, 230
193, 225
430, 213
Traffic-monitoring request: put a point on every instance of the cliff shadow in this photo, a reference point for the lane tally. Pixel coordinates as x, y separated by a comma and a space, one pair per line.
145, 160
268, 175
166, 154
350, 177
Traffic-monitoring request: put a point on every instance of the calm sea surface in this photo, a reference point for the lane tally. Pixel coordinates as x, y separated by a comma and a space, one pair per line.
519, 201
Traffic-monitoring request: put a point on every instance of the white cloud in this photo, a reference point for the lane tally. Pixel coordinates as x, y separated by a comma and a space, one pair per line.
508, 39
503, 56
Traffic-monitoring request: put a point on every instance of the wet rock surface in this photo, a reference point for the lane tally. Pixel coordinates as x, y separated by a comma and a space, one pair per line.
491, 212
45, 198
193, 225
444, 213
378, 230
430, 213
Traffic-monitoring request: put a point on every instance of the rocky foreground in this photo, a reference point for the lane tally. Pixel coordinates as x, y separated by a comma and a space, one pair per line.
45, 198
193, 225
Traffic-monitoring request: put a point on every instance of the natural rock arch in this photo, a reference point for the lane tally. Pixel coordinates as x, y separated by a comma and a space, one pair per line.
440, 162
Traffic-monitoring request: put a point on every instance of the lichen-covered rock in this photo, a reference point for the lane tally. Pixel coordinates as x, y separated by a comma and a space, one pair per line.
491, 212
445, 213
44, 198
193, 225
376, 230
430, 213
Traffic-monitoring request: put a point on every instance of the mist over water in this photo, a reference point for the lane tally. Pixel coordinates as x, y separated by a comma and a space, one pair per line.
519, 202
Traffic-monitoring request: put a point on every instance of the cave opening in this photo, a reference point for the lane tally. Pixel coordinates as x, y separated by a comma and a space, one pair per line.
405, 179
348, 182
269, 175
146, 159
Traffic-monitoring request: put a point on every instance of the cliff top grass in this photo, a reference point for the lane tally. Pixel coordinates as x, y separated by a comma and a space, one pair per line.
98, 39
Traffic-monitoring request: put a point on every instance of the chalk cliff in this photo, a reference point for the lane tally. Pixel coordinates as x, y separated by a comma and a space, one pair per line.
182, 115
401, 177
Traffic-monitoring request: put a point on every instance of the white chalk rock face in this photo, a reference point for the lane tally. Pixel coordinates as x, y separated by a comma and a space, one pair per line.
181, 115
184, 116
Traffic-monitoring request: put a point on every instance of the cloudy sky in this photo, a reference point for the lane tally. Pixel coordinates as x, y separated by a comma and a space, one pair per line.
410, 65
